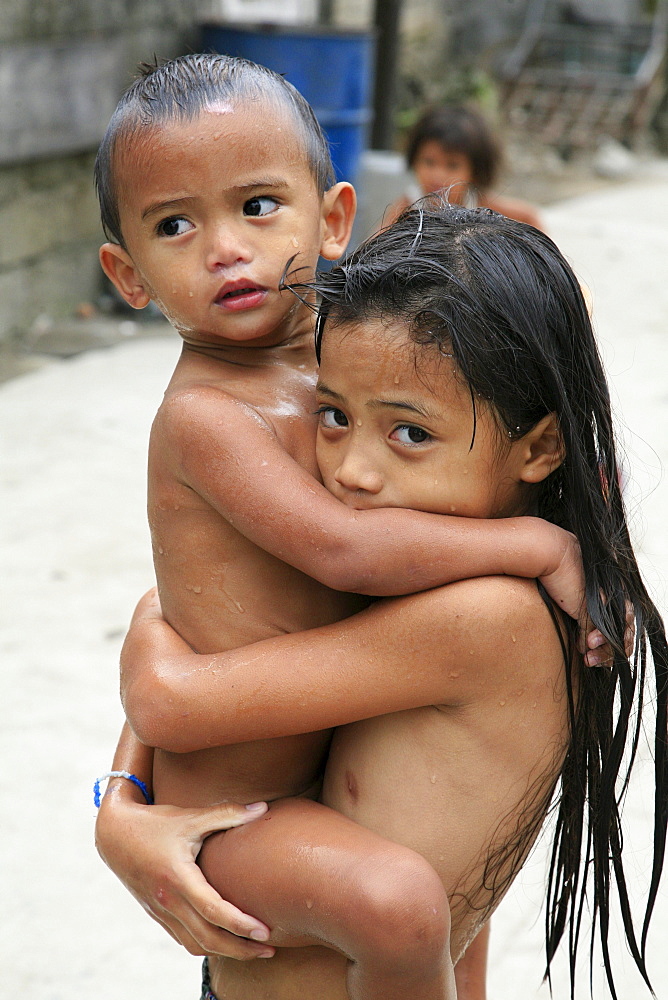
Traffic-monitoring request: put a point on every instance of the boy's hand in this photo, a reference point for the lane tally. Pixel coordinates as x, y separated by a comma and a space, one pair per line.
153, 850
565, 583
598, 651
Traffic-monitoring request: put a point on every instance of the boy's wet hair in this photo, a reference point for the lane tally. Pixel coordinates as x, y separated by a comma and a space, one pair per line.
179, 90
459, 129
499, 299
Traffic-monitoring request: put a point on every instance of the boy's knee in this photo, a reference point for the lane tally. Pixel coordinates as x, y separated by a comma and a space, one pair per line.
404, 916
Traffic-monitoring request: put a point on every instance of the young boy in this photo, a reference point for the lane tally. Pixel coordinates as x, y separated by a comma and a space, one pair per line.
215, 180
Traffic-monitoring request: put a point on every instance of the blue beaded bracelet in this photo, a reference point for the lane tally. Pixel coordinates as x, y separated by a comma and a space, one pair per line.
121, 774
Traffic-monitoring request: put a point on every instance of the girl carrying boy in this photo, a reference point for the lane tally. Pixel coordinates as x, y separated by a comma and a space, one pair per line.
458, 371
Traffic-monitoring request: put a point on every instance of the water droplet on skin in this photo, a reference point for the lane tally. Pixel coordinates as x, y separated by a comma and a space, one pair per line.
396, 380
452, 508
190, 294
161, 551
502, 703
433, 779
513, 638
295, 242
309, 904
358, 423
454, 673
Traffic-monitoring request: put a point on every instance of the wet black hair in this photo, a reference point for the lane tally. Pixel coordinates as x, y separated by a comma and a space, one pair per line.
462, 130
178, 90
499, 297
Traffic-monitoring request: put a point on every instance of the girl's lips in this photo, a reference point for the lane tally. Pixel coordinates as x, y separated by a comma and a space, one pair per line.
241, 297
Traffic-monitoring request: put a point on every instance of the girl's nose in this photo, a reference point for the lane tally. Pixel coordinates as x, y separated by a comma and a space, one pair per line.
356, 472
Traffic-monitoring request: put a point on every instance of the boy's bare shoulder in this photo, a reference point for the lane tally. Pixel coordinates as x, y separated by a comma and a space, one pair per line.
194, 409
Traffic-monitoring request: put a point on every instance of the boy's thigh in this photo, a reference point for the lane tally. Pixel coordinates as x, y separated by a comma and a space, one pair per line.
313, 875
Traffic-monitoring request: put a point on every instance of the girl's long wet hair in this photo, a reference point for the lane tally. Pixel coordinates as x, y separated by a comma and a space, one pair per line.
499, 297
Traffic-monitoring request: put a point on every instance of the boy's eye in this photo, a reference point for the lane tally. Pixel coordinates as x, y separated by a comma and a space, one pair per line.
175, 226
331, 417
410, 434
260, 206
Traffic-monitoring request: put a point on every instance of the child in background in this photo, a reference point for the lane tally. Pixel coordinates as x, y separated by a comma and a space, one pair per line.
214, 178
453, 149
458, 368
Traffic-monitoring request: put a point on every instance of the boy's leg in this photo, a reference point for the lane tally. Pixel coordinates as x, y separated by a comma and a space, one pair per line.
321, 878
471, 969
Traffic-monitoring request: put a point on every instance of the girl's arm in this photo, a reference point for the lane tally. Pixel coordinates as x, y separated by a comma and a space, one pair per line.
153, 850
435, 648
230, 457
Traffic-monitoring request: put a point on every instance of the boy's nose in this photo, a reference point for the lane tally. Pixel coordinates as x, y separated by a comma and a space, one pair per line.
225, 249
356, 472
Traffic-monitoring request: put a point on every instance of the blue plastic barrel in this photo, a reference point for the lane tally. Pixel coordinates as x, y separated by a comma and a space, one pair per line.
333, 70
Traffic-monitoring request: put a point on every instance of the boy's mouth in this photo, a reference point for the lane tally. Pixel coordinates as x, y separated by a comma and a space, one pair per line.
237, 295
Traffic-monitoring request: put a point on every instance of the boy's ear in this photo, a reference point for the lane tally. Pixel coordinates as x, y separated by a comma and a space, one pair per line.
542, 450
338, 214
119, 268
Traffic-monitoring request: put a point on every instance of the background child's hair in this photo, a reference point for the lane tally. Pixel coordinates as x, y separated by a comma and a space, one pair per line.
498, 297
178, 90
462, 130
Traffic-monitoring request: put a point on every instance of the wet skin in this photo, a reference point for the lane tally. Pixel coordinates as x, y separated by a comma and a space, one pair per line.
461, 687
211, 212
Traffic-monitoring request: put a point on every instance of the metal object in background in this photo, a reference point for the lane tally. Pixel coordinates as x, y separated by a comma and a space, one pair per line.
386, 19
571, 80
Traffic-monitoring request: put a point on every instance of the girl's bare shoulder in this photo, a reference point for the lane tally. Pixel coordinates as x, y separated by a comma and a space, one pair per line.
493, 621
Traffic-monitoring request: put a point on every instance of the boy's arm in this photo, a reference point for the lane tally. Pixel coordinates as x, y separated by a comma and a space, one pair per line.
153, 850
438, 647
228, 455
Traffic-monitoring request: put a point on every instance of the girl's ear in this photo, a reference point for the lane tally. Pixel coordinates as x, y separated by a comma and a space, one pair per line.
338, 214
119, 268
542, 450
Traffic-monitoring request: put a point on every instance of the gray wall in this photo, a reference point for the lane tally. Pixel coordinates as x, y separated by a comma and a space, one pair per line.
63, 65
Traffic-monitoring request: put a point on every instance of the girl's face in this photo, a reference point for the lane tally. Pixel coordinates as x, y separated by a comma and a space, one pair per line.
396, 424
435, 167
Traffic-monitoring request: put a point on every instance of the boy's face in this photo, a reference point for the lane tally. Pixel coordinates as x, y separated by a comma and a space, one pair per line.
211, 211
396, 426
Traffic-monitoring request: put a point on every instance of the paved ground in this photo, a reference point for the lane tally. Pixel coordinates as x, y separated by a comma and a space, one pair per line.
76, 556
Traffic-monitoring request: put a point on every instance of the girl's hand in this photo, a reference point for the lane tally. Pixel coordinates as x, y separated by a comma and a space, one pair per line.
153, 850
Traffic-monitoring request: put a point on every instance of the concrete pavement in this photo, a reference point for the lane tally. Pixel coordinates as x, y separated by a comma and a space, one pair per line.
76, 555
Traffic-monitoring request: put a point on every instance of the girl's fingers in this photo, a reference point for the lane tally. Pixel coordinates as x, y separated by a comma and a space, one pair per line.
212, 819
201, 937
218, 914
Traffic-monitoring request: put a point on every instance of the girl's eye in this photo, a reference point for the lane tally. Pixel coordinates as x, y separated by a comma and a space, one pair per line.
175, 226
260, 206
331, 417
410, 434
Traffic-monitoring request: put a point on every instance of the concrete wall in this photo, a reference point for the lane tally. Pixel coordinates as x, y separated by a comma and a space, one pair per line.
63, 65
